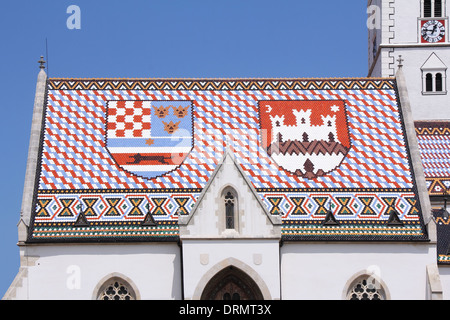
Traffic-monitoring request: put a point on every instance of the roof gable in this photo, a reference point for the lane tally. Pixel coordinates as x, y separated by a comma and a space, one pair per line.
207, 218
434, 63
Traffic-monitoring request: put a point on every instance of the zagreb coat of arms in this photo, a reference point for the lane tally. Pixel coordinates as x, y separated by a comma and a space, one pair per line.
306, 138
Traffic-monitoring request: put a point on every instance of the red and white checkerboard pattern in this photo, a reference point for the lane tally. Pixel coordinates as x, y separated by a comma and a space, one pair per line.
127, 119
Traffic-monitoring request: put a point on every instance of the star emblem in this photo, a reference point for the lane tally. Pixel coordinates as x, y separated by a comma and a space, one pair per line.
335, 108
149, 142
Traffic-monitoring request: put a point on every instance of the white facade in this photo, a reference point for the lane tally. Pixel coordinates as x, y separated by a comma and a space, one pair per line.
308, 271
280, 270
289, 270
68, 272
394, 31
332, 268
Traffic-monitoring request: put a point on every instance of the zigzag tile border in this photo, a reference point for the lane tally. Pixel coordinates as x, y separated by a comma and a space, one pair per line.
113, 207
345, 206
220, 84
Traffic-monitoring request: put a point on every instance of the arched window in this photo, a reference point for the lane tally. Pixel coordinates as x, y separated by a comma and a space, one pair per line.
116, 288
366, 287
427, 9
433, 8
437, 8
439, 82
429, 82
230, 209
434, 74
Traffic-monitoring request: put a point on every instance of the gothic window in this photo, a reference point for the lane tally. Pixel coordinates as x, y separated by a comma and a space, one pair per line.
366, 288
229, 211
116, 289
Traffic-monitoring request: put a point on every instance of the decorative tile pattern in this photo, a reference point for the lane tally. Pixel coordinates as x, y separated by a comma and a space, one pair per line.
443, 236
434, 144
118, 150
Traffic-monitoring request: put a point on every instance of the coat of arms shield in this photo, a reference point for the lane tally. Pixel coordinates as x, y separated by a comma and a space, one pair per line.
306, 138
149, 138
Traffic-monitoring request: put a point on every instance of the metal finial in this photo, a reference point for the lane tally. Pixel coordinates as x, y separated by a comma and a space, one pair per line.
400, 61
42, 62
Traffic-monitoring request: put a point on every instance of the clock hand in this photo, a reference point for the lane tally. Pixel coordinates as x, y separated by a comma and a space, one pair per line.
431, 30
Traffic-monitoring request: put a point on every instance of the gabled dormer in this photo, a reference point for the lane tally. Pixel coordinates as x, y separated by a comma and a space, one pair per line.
229, 207
434, 75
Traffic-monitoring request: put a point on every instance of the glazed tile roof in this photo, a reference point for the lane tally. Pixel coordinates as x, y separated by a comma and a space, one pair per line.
443, 236
122, 159
434, 144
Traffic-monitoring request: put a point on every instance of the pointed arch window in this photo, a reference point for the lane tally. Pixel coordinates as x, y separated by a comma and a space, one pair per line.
366, 287
116, 288
230, 209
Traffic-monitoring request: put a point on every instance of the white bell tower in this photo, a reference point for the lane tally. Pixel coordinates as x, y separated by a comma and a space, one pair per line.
414, 33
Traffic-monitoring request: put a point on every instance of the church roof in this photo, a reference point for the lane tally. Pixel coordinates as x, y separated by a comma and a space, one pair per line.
122, 159
434, 144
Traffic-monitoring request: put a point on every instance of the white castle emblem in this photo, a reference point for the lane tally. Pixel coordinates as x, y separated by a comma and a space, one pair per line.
303, 129
305, 149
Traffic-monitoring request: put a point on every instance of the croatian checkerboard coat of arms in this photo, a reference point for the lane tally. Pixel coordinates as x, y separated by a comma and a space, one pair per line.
149, 138
306, 138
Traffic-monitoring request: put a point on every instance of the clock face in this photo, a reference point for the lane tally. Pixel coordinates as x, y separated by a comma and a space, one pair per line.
433, 31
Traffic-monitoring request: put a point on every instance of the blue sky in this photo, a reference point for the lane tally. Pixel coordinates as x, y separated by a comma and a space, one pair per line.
159, 39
